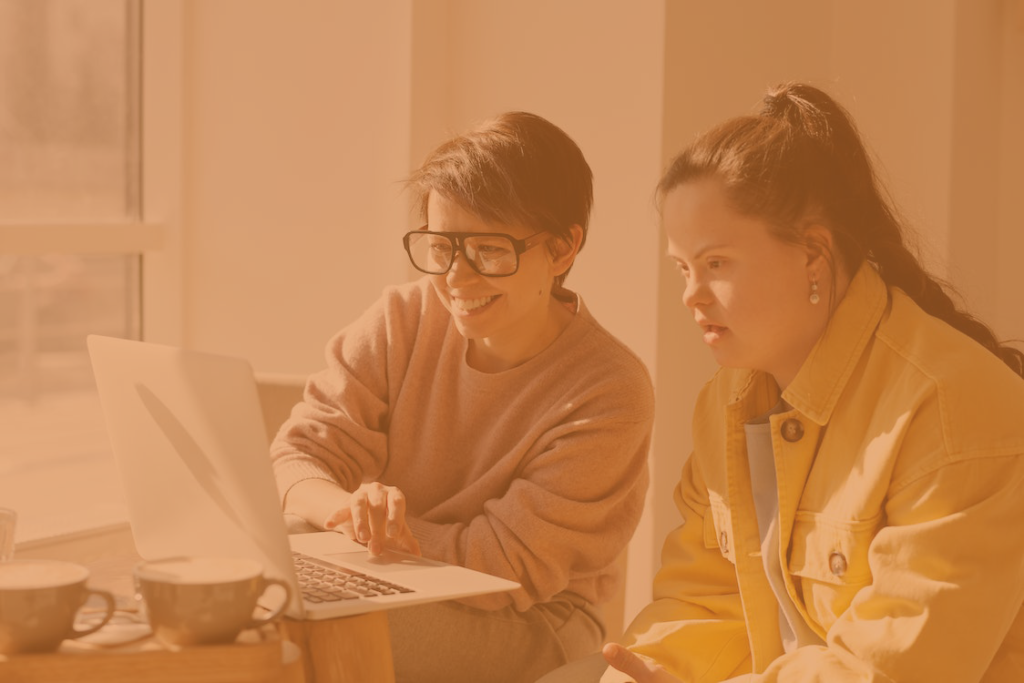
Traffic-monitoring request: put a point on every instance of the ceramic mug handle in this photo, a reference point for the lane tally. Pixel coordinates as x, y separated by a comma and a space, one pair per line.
256, 622
108, 597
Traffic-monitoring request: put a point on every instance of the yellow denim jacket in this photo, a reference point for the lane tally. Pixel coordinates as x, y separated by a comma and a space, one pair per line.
901, 513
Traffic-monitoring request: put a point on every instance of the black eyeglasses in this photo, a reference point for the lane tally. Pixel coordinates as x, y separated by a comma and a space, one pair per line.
492, 254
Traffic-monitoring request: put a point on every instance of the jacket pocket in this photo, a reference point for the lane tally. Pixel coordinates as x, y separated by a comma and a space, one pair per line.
718, 528
828, 560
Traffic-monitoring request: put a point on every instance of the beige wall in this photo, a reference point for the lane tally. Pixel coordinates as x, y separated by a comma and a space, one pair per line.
1009, 178
300, 119
296, 129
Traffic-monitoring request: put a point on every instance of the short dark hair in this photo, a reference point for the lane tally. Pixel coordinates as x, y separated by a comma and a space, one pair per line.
517, 168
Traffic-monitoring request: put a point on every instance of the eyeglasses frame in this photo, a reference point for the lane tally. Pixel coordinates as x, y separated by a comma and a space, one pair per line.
456, 238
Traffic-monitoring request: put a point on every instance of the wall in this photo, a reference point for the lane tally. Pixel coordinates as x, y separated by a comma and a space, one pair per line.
1009, 243
296, 131
301, 120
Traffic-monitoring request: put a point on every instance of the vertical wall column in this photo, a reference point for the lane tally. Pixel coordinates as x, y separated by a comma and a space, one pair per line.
1009, 245
715, 68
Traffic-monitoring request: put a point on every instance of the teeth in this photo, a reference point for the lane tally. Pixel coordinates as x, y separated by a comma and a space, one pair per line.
471, 304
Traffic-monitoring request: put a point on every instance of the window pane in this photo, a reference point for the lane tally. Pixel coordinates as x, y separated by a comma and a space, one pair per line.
48, 304
55, 463
69, 124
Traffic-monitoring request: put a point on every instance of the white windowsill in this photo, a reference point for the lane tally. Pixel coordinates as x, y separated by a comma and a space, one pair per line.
58, 474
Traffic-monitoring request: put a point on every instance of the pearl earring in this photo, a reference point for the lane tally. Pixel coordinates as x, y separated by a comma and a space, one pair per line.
814, 298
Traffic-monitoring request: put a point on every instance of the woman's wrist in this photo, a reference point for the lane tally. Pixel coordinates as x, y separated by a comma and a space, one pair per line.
315, 500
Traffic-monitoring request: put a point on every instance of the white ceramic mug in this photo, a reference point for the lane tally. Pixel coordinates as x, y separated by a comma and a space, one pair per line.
39, 600
204, 600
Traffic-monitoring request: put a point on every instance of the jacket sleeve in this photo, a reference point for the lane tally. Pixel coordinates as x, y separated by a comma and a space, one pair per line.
570, 511
948, 582
694, 627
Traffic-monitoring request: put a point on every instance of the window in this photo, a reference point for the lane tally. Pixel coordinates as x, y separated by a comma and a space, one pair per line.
72, 237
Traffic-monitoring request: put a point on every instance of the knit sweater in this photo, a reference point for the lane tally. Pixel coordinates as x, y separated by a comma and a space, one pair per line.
537, 473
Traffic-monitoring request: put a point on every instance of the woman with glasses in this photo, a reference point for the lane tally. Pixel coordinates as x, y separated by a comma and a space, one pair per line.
481, 416
852, 507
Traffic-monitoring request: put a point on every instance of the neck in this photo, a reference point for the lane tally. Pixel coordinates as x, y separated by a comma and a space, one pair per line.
785, 376
492, 354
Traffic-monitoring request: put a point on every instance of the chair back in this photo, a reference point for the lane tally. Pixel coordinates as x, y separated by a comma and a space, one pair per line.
278, 395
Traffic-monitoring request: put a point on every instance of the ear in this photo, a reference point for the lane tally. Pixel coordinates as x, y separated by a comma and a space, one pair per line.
563, 251
819, 246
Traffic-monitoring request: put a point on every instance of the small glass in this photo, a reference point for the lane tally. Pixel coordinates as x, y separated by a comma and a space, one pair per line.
8, 520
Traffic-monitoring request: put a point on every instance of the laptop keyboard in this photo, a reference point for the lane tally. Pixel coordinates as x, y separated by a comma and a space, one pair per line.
322, 581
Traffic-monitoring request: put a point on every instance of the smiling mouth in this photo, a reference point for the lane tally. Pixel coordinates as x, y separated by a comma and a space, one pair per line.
470, 305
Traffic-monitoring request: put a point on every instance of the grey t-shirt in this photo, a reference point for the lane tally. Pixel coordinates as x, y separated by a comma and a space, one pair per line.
761, 455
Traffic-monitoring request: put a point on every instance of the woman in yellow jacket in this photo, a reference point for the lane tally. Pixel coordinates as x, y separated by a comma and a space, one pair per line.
853, 509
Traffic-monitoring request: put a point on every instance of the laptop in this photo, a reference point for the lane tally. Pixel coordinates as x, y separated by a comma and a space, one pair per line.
188, 437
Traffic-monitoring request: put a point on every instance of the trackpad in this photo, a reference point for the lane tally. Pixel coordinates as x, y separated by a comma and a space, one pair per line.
387, 563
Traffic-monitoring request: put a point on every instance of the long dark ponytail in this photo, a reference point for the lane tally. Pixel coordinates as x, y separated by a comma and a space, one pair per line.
802, 158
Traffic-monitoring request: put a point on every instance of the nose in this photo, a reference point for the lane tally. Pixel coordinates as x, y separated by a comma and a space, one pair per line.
460, 271
695, 292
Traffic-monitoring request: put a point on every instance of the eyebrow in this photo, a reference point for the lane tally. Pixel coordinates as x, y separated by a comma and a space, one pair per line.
701, 251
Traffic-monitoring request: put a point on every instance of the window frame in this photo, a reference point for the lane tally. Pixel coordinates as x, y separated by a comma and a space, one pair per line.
160, 195
154, 234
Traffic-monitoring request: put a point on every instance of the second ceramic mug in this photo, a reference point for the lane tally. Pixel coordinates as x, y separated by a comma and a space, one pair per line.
204, 600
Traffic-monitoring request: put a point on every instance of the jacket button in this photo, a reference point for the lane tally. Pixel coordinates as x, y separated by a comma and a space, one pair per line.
837, 563
723, 542
792, 430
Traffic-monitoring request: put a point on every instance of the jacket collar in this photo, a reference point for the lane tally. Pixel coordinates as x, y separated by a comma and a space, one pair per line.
821, 379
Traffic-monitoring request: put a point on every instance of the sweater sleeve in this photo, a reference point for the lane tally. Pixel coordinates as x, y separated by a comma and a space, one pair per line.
570, 511
339, 431
694, 627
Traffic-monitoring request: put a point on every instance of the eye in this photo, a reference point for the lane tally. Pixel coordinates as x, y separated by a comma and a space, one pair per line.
496, 248
714, 264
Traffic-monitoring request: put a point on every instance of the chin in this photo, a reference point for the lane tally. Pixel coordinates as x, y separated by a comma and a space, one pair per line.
727, 361
471, 332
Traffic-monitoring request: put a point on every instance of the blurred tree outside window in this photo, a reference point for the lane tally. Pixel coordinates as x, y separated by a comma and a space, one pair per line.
70, 151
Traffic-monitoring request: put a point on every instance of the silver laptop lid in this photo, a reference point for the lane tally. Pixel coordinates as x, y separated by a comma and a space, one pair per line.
188, 437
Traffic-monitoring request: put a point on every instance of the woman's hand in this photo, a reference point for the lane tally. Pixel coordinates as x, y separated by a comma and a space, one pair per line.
639, 669
375, 515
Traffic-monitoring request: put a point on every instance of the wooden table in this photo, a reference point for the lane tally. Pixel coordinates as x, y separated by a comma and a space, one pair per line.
354, 649
256, 657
